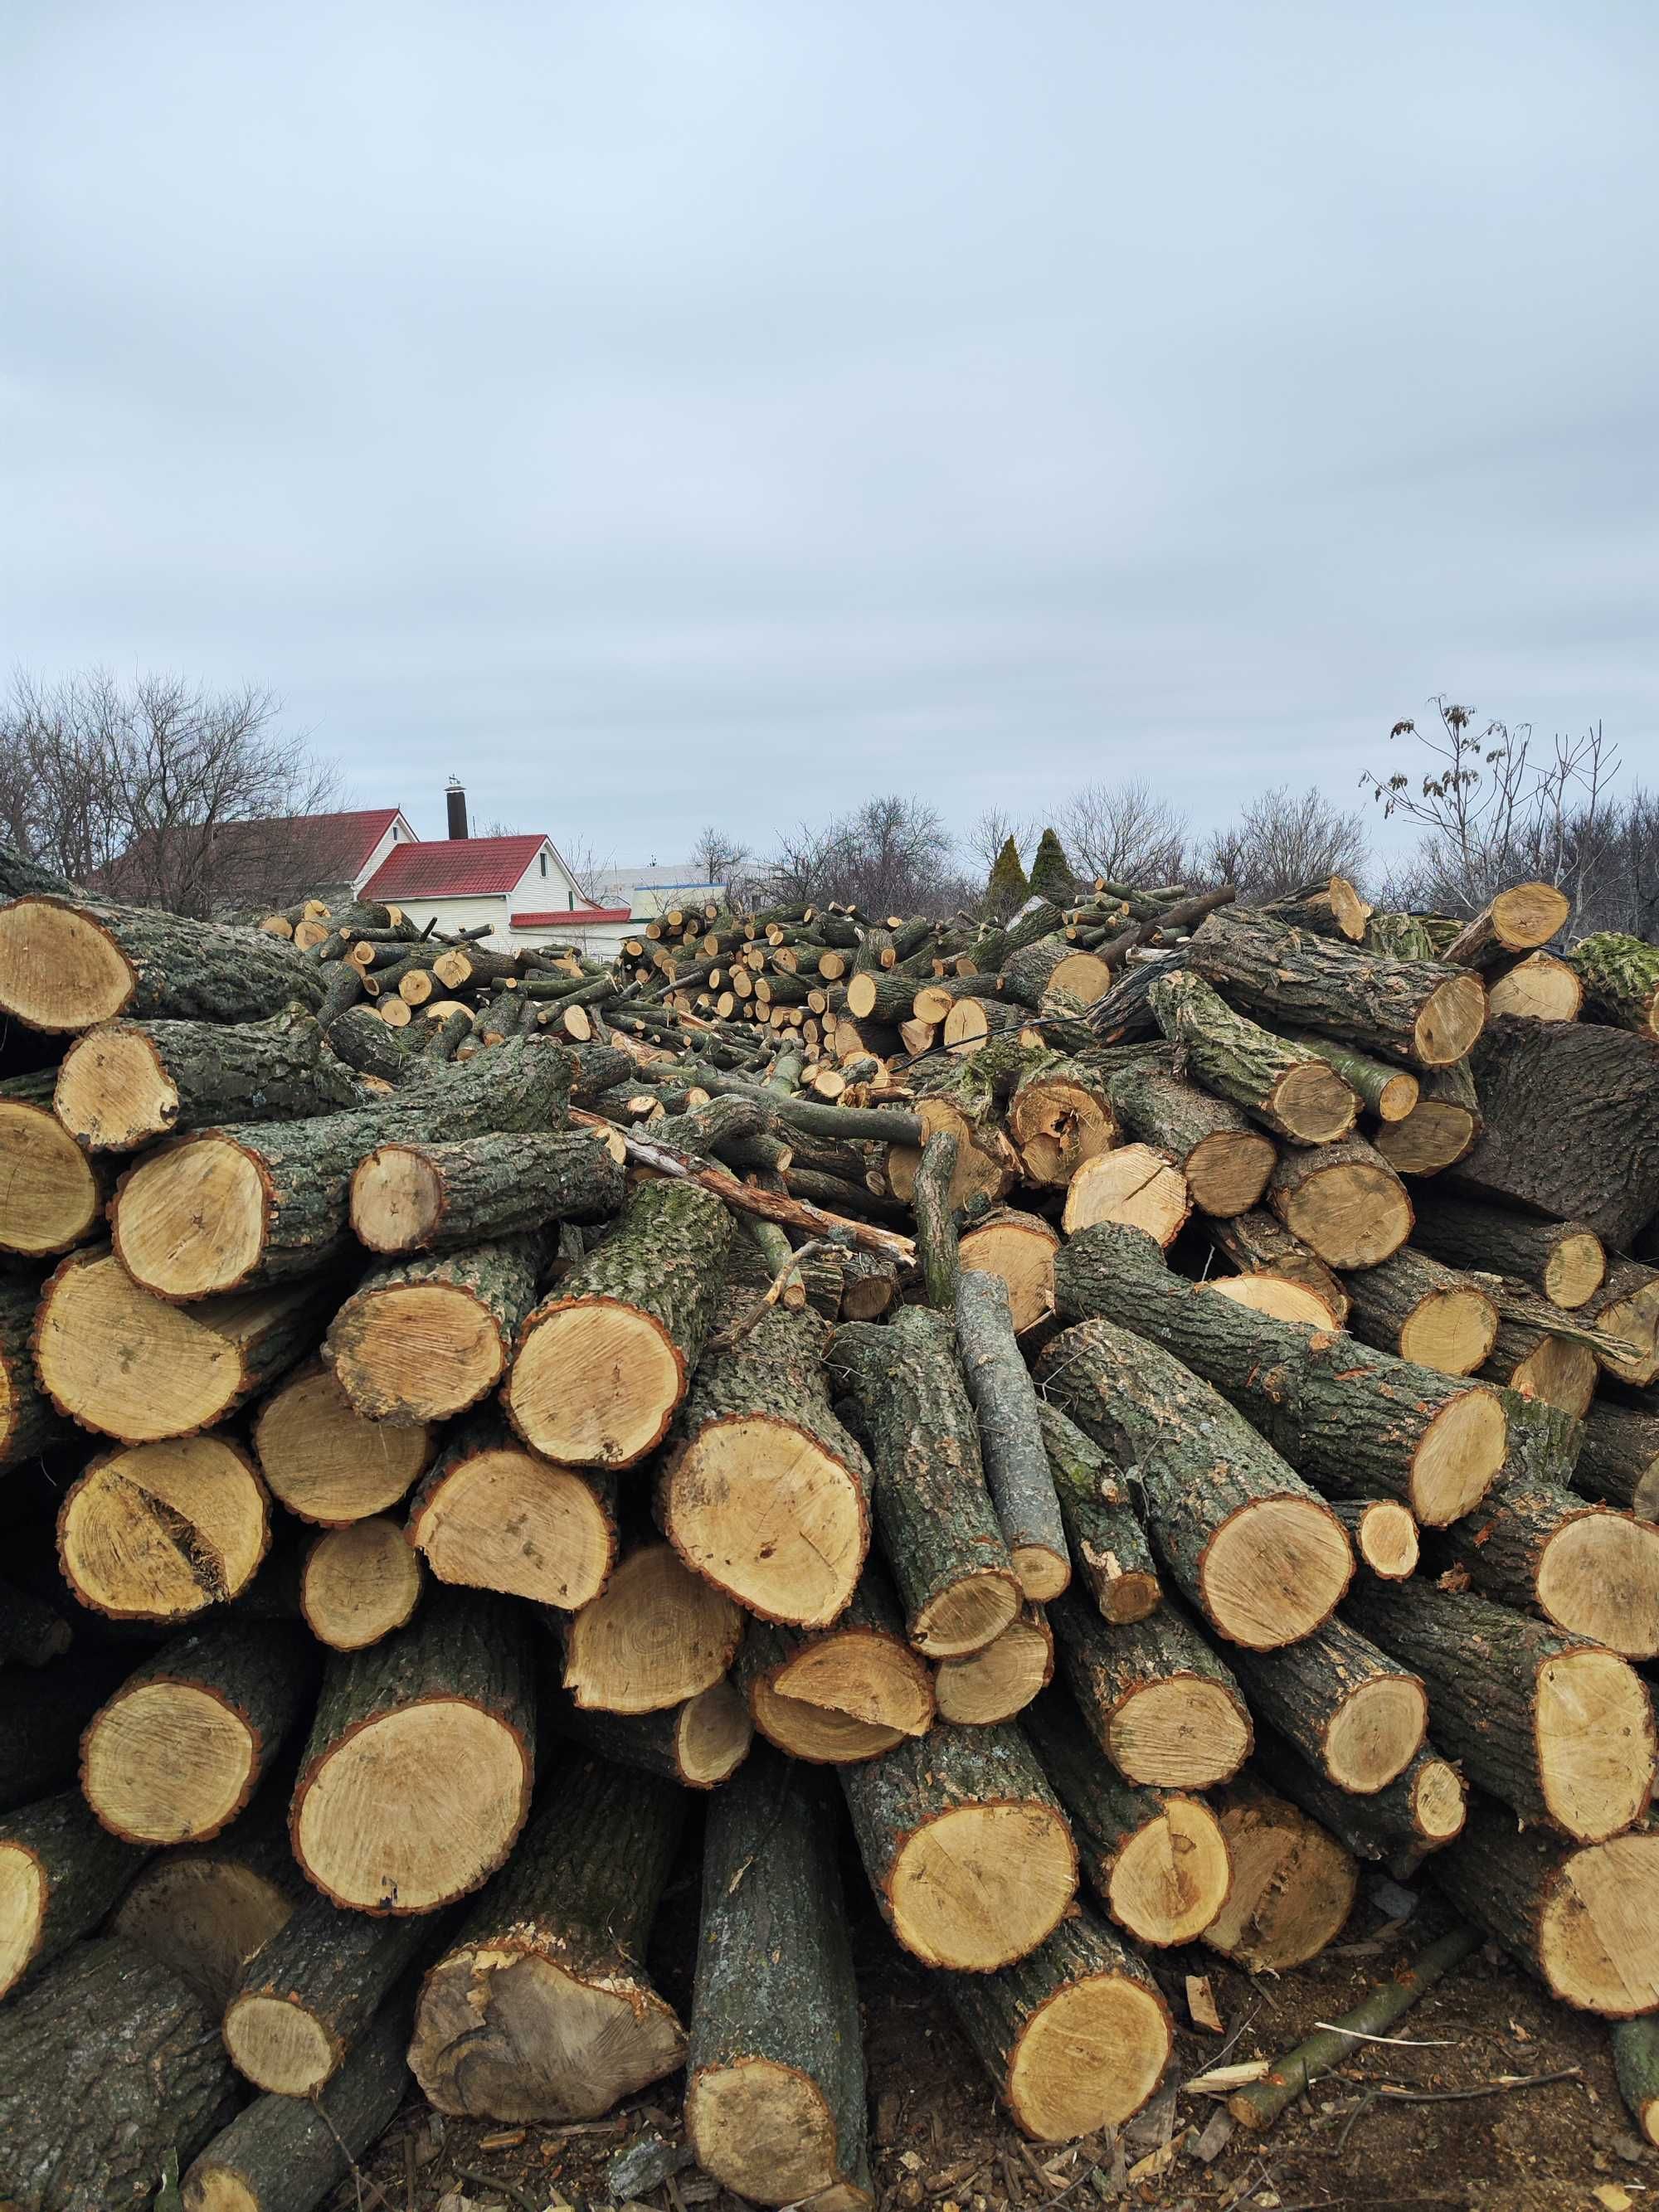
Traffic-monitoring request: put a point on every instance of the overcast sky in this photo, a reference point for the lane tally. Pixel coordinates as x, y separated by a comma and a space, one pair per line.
661, 413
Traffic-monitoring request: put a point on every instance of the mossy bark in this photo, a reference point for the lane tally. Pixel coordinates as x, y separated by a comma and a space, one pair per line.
1011, 1442
1108, 1546
1231, 1055
274, 1070
498, 1185
1157, 1108
1620, 976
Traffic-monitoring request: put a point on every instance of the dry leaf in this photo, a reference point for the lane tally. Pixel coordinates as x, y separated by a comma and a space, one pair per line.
1200, 2003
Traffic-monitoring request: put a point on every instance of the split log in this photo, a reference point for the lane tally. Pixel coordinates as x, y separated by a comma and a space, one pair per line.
699, 1744
963, 1796
323, 1461
1273, 1295
60, 1874
1584, 1919
1635, 2062
1593, 1572
54, 1194
1016, 1471
774, 2092
307, 1995
820, 1734
1108, 1543
179, 1749
540, 2009
1560, 1729
162, 1531
114, 1358
1157, 1701
494, 1515
1294, 1884
1224, 1158
1259, 1243
1422, 1810
1355, 1718
1133, 1184
109, 2064
1620, 976
938, 1528
1357, 1421
1344, 1201
1562, 1258
1000, 1681
123, 1086
1440, 1130
30, 1424
1286, 1088
1058, 1117
1619, 1461
1383, 1533
408, 1197
358, 1583
656, 1635
423, 1339
1156, 1858
848, 1692
1517, 920
602, 1365
1018, 1247
1418, 1011
204, 1909
1076, 2037
1537, 985
1421, 1312
417, 1777
1386, 1091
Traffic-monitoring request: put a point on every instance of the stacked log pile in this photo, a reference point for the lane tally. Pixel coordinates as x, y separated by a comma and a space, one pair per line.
1133, 1414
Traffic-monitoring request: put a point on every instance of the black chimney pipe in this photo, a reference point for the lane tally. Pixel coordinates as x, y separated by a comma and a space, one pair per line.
455, 798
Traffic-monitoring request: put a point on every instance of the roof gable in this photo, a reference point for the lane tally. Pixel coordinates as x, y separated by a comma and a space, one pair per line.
454, 867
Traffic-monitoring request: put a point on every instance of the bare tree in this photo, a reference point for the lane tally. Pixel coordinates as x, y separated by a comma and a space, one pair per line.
1125, 832
717, 853
1282, 840
991, 831
891, 855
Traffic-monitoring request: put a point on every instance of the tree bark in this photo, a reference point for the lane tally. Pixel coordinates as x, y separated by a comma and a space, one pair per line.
494, 1516
1419, 1311
1161, 1706
1389, 1091
1619, 1461
1562, 1258
129, 1083
1108, 1543
60, 1874
1440, 1129
1259, 1243
698, 1745
1342, 1703
30, 1424
424, 1338
1422, 1810
1016, 1460
1343, 1200
936, 1220
1635, 2062
1620, 976
1287, 1088
407, 1197
1225, 1159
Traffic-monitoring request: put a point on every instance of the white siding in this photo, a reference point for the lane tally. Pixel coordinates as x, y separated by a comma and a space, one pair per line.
468, 912
399, 833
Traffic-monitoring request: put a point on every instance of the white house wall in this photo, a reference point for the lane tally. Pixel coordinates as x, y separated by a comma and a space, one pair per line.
397, 832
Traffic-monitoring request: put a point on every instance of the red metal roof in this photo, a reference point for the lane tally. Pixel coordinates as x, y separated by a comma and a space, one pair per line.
453, 867
303, 852
566, 915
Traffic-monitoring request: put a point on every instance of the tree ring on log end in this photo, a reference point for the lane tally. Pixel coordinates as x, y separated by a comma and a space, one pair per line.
358, 1583
763, 2129
1440, 1804
714, 1735
758, 1506
1599, 1577
1452, 1017
1353, 1214
416, 1352
1277, 1295
1000, 1678
59, 969
971, 1613
1598, 1930
24, 1895
192, 1221
52, 1191
820, 1735
167, 1763
1171, 1878
160, 1531
1459, 1458
1274, 1571
1575, 1270
1451, 1331
278, 2045
397, 1200
112, 1091
1089, 2058
656, 1635
1313, 1102
864, 1672
503, 1519
595, 1384
1185, 1733
980, 1885
325, 1461
209, 2187
1377, 1733
1389, 1540
1595, 1743
1228, 1172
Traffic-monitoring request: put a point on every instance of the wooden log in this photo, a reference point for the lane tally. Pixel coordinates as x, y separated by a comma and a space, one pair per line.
1330, 907
1075, 2037
1562, 1258
1620, 978
1108, 1543
1293, 1883
540, 2009
1156, 1858
359, 1035
425, 1337
1626, 1306
1354, 1419
54, 1194
775, 2094
957, 1796
1273, 1295
29, 1423
407, 1197
1391, 1092
1558, 1729
602, 1365
1535, 985
1000, 1682
656, 1635
179, 1749
162, 1531
1133, 1184
1225, 1159
698, 1745
323, 1461
1536, 1362
417, 1777
1020, 1248
122, 1086
766, 1494
1016, 1460
1420, 1013
817, 1732
1383, 1533
308, 1994
848, 1692
1344, 1201
1619, 1461
107, 2064
1354, 1716
936, 1525
495, 1516
1517, 920
1058, 1117
204, 1909
67, 964
1635, 2062
1581, 1917
1413, 1307
1440, 1129
358, 1583
1284, 1087
1258, 1242
60, 1874
1422, 1810
1156, 1698
112, 1358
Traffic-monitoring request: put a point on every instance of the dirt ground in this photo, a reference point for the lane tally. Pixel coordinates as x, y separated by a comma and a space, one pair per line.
940, 2144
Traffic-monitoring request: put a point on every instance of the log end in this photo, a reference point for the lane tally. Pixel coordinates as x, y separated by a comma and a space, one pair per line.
192, 1221
162, 1531
1599, 1577
1452, 1331
1171, 1878
656, 1635
1000, 1681
113, 1093
1275, 1570
1595, 1731
823, 1736
1293, 1885
1387, 1539
1459, 1457
24, 1893
766, 2132
1312, 1104
1376, 1732
1186, 1732
1451, 1019
1267, 1293
416, 1351
763, 1509
325, 1461
1354, 1213
967, 1615
979, 1886
1598, 1929
167, 1762
1440, 1804
54, 1196
1089, 2058
870, 1675
397, 1200
1135, 1185
1229, 1172
358, 1583
502, 1519
595, 1384
60, 969
713, 1737
278, 2045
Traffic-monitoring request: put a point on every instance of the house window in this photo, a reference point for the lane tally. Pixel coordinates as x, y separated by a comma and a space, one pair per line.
544, 858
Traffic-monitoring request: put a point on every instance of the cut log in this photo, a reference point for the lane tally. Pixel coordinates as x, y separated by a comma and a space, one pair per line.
495, 1516
1413, 1307
107, 2065
1562, 1258
178, 1750
1593, 1572
66, 965
1389, 1092
417, 1777
358, 1583
656, 1635
1286, 1088
60, 1874
937, 1527
819, 1734
1016, 1471
423, 1338
1058, 1115
766, 1494
1000, 1681
1108, 1543
1156, 1858
1418, 1011
775, 2094
112, 1358
162, 1531
984, 1164
1018, 1247
123, 1086
287, 2154
1635, 2062
54, 1194
205, 1909
1537, 1363
307, 1995
852, 1691
1422, 1810
358, 1036
407, 1197
602, 1365
1344, 1201
699, 1744
1537, 985
1570, 1124
30, 1424
963, 1797
1626, 1306
1514, 921
1619, 1461
1620, 978
1133, 1184
1332, 908
1259, 1243
869, 1285
1584, 1918
1440, 1129
1560, 1729
1354, 1716
323, 1461
1294, 1884
1383, 1533
1276, 1296
1155, 1698
1359, 1422
1225, 1159
1075, 2037
540, 2009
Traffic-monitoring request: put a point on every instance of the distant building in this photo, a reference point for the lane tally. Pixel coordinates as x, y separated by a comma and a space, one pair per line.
651, 891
